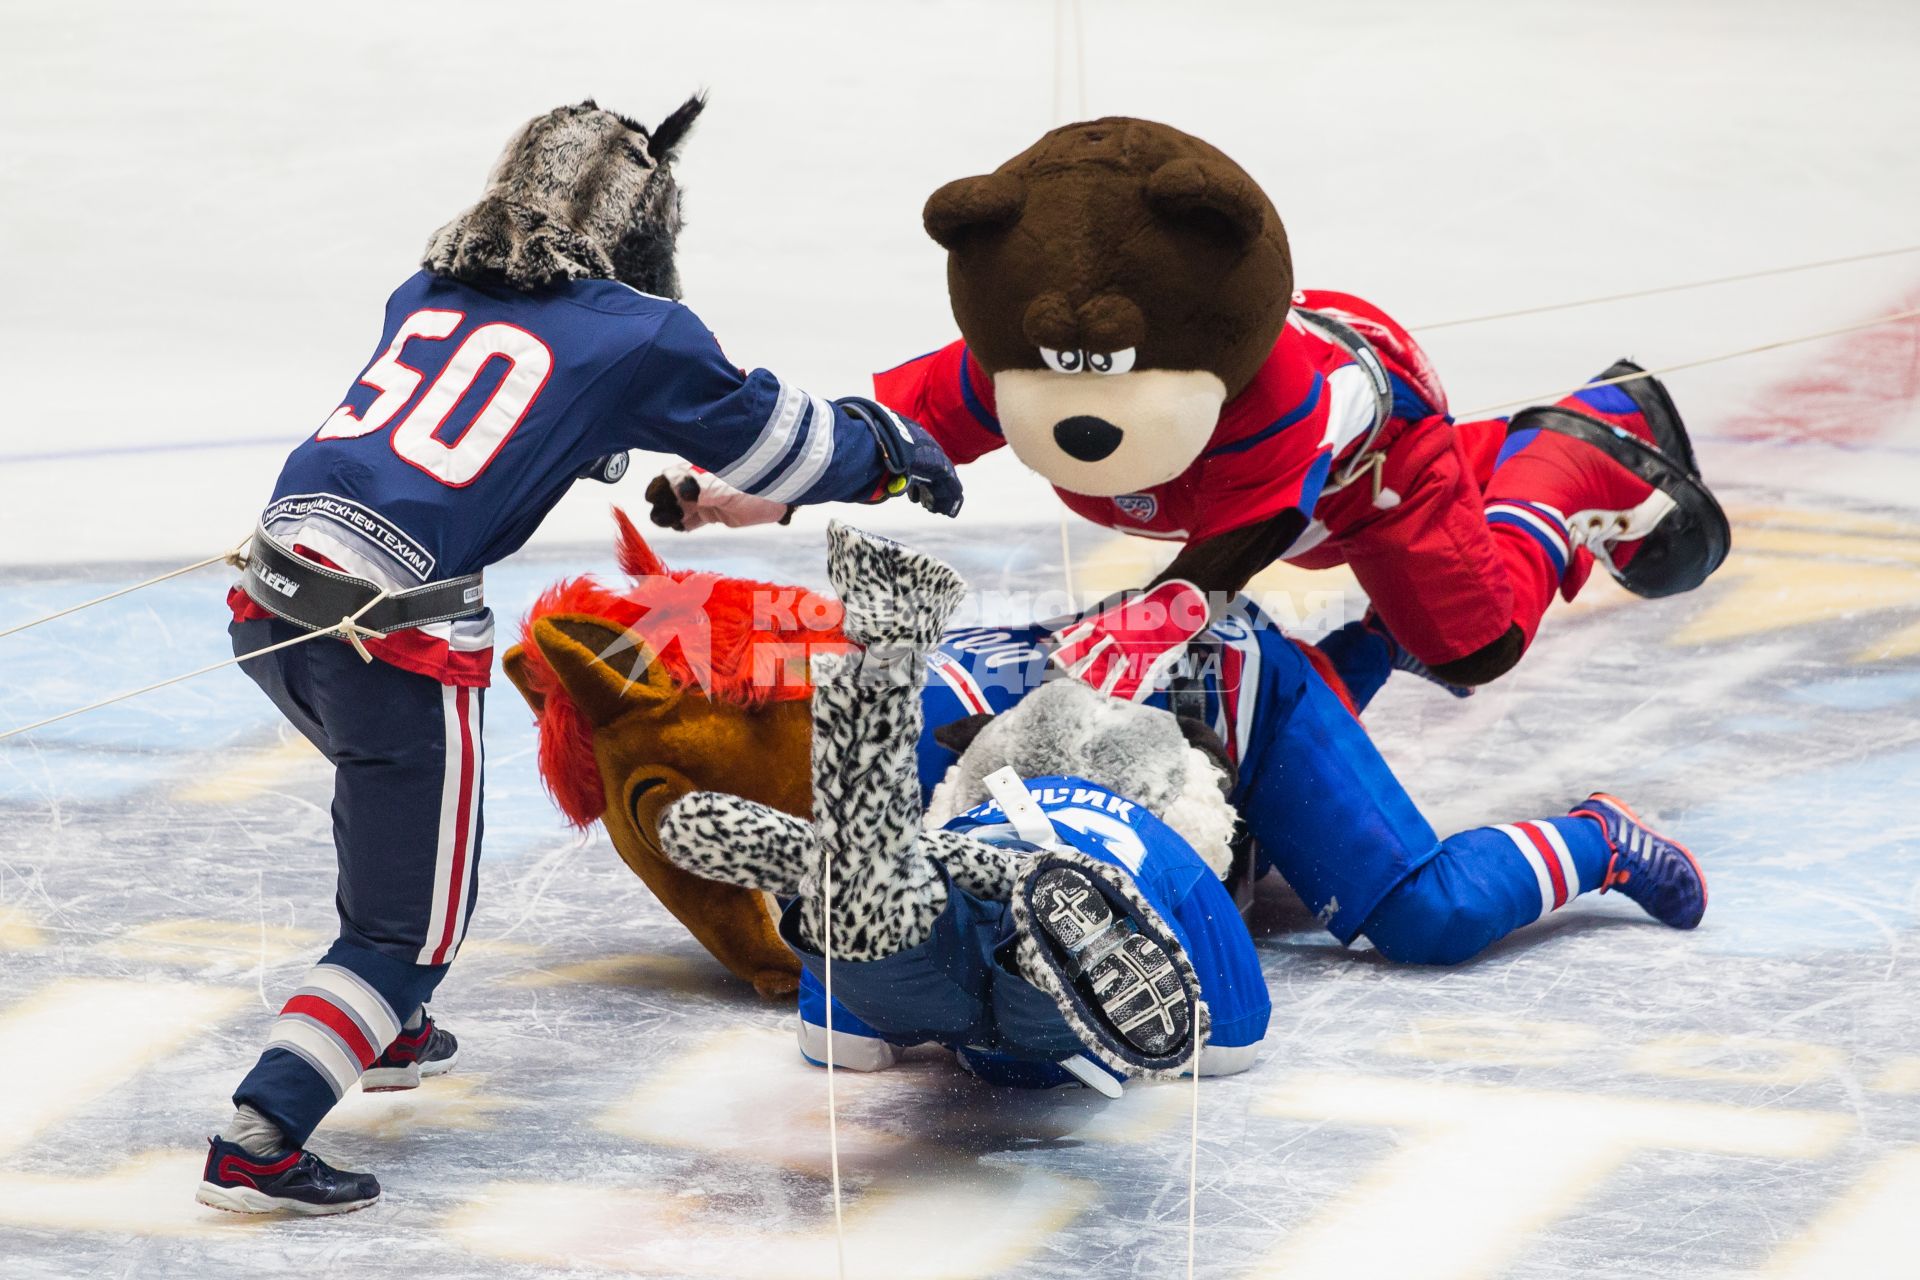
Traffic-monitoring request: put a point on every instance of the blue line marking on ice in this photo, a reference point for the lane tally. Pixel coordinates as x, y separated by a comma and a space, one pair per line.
123, 450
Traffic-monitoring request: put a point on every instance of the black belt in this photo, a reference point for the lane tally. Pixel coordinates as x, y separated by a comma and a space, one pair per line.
313, 596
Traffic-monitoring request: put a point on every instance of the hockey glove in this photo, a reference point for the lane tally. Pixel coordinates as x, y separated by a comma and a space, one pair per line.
914, 462
685, 497
1125, 648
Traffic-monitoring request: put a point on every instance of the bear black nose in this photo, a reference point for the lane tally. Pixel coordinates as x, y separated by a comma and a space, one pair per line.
1086, 438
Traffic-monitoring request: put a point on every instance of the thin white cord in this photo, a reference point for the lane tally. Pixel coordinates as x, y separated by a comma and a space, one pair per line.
1066, 17
1193, 1160
347, 628
1668, 288
833, 1109
1066, 566
1079, 61
1067, 29
1551, 396
223, 558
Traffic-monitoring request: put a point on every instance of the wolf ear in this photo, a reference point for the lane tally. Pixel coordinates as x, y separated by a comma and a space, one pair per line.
957, 735
1198, 734
665, 141
606, 671
1215, 200
969, 207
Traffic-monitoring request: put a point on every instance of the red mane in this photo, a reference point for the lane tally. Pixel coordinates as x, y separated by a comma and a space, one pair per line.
742, 638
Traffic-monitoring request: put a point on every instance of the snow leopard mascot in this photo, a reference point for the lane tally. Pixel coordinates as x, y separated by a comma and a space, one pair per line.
1060, 921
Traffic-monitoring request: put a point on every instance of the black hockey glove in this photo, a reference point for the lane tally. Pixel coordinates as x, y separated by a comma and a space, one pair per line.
915, 463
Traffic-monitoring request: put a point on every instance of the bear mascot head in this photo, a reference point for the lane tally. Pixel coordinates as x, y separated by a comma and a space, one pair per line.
1129, 250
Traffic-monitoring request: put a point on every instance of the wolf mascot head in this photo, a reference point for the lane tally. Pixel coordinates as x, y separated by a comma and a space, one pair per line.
580, 193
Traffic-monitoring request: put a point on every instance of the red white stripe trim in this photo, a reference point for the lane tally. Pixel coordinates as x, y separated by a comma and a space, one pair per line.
353, 993
1239, 689
459, 807
1553, 528
960, 680
335, 1023
1549, 859
334, 1019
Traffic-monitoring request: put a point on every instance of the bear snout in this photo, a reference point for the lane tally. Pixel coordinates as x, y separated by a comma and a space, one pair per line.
1086, 437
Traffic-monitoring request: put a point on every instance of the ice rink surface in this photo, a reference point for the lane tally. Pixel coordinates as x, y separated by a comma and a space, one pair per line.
201, 210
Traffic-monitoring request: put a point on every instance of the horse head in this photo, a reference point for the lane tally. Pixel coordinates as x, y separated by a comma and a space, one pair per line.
681, 681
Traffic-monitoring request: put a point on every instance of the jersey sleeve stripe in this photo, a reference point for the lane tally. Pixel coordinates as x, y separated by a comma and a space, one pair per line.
959, 680
1352, 407
775, 438
972, 398
811, 463
1274, 428
1314, 483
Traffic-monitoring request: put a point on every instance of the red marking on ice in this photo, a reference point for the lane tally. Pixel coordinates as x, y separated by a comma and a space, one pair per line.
1864, 384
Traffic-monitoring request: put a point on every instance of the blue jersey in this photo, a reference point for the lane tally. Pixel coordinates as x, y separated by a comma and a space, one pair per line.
482, 405
1243, 677
1305, 764
1171, 876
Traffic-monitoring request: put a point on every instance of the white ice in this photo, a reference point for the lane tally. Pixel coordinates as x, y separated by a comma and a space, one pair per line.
202, 208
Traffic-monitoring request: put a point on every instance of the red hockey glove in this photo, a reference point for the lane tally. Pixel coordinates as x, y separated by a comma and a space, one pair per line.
1126, 648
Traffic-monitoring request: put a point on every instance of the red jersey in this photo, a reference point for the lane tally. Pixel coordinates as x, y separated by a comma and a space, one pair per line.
1271, 451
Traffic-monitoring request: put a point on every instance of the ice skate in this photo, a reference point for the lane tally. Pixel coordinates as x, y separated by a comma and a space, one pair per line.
1118, 976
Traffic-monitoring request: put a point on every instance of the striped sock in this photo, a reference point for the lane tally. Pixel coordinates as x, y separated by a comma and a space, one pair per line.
1565, 857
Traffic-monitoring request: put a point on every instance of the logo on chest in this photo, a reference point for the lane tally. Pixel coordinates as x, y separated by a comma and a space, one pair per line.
1138, 507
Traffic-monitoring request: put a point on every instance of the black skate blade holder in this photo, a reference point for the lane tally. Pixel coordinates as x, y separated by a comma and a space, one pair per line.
1032, 824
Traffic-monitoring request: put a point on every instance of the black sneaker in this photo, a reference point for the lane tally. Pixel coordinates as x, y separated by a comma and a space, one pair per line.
413, 1057
1125, 977
292, 1182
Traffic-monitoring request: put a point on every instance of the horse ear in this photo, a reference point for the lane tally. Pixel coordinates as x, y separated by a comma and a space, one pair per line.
605, 670
969, 206
515, 665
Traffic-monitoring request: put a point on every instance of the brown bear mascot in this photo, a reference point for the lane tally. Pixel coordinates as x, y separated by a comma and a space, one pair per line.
1130, 328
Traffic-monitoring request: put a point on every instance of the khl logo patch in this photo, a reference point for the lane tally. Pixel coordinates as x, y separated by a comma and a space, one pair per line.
1140, 507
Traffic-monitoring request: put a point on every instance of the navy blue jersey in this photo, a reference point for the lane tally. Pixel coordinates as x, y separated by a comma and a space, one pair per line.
482, 405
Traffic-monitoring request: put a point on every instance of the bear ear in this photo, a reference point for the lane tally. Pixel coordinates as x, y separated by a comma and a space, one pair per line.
1214, 199
966, 207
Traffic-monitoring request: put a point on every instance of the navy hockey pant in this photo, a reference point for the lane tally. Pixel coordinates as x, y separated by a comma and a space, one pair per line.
957, 988
406, 830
